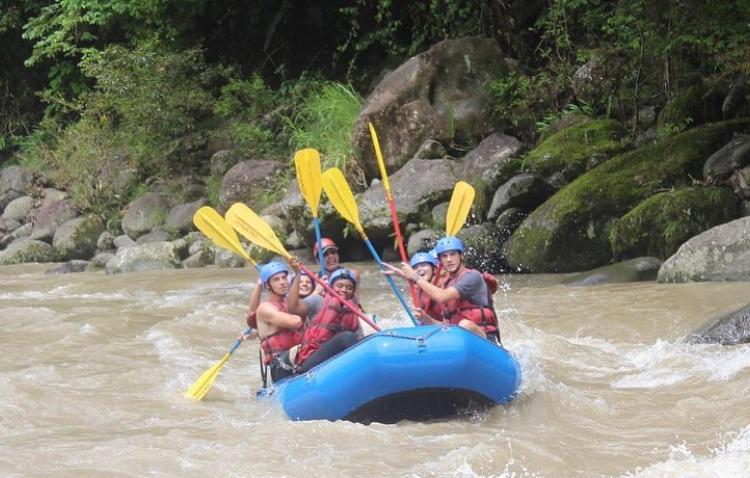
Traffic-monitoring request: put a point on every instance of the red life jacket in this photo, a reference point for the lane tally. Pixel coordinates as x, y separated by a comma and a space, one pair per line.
453, 311
428, 305
279, 341
333, 318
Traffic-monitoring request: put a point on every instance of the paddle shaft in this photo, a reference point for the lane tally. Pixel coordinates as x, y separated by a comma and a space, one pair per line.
400, 240
318, 238
239, 341
392, 207
391, 282
347, 303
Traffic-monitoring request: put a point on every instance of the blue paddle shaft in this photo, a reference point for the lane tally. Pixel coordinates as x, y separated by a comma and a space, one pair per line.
238, 341
391, 283
318, 237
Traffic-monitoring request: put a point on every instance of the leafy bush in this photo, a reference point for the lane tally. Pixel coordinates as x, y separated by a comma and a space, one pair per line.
325, 121
155, 104
244, 107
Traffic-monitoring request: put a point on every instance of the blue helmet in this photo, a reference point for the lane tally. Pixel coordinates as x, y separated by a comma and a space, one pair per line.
422, 258
449, 243
271, 269
433, 254
342, 273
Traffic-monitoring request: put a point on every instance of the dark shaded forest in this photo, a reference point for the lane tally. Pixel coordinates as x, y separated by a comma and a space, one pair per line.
160, 85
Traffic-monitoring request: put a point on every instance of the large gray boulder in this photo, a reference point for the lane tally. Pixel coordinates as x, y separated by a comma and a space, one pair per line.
524, 191
725, 329
633, 270
421, 240
492, 161
144, 214
21, 231
54, 211
143, 257
719, 254
76, 239
27, 250
416, 193
731, 156
99, 261
14, 183
122, 241
180, 217
75, 265
18, 209
247, 181
157, 235
438, 94
8, 225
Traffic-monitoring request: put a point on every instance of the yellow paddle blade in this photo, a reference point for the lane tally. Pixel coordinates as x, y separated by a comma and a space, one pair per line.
458, 210
210, 223
381, 163
200, 388
307, 164
338, 192
254, 229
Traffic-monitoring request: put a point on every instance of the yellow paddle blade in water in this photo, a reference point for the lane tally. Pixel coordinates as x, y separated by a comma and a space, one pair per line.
340, 195
381, 163
254, 229
200, 388
210, 223
458, 210
307, 164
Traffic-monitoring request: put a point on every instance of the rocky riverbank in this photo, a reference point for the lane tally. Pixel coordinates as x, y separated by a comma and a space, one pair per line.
584, 195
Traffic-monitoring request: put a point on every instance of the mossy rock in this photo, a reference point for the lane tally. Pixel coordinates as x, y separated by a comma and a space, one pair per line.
27, 250
568, 151
570, 232
659, 225
77, 238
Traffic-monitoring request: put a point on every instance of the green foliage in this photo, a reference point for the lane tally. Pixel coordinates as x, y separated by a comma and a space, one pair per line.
152, 103
385, 29
150, 111
569, 150
325, 122
64, 32
649, 51
213, 184
582, 108
242, 107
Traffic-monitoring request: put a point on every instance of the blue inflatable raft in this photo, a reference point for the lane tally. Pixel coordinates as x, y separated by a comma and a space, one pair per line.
416, 373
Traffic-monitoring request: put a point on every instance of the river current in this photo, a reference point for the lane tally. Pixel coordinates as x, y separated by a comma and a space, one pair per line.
93, 368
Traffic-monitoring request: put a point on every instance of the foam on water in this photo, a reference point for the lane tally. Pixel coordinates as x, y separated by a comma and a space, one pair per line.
730, 460
665, 363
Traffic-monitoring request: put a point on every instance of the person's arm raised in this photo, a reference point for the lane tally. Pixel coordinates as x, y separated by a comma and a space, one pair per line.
435, 292
293, 302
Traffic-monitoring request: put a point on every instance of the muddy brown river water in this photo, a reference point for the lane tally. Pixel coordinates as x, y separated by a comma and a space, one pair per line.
92, 370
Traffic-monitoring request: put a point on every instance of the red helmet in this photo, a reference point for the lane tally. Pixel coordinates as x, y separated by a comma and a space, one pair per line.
326, 243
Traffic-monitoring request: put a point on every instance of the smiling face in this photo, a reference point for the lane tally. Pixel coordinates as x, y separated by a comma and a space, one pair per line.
331, 259
424, 270
451, 261
279, 283
344, 288
306, 285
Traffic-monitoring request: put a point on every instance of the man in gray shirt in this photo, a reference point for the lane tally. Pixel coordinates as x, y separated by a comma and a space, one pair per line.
464, 298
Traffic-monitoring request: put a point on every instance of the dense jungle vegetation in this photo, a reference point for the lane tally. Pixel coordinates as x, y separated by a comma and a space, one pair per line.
91, 87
